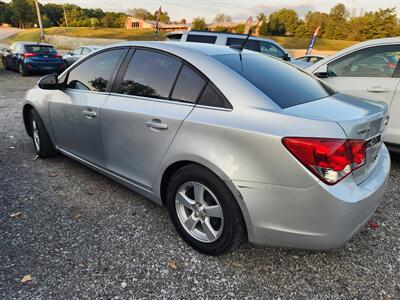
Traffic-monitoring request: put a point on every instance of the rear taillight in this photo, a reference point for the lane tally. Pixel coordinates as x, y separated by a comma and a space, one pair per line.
57, 55
329, 159
28, 54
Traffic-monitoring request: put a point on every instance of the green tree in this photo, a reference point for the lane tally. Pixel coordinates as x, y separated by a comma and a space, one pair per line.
5, 12
240, 28
313, 20
94, 23
337, 26
114, 20
163, 17
301, 30
222, 18
283, 21
54, 12
23, 13
199, 23
140, 13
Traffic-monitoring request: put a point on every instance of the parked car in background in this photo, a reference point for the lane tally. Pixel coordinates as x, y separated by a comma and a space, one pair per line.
27, 58
310, 59
369, 70
263, 45
237, 145
76, 54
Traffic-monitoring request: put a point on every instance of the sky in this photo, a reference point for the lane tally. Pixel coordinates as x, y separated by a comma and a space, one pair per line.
238, 9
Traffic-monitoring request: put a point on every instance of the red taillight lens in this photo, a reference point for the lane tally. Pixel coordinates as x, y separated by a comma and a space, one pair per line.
329, 159
57, 55
391, 65
28, 54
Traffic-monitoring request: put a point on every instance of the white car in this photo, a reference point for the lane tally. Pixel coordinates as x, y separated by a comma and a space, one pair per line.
369, 70
258, 44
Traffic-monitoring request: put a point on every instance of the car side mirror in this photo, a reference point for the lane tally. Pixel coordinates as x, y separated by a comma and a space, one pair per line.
286, 57
70, 53
322, 72
49, 82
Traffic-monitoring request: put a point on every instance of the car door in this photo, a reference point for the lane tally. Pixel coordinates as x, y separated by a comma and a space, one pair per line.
75, 110
371, 73
149, 102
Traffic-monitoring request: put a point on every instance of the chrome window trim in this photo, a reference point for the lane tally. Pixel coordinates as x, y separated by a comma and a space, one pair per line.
143, 98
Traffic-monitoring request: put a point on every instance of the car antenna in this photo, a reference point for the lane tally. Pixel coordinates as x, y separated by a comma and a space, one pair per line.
241, 46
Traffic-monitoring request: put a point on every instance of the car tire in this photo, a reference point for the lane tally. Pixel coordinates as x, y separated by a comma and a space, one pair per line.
41, 139
5, 64
219, 225
22, 70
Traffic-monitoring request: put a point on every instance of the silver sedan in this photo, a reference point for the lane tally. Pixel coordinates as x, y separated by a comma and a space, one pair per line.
238, 146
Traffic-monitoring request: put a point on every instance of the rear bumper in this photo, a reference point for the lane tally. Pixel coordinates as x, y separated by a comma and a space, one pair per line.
317, 217
48, 67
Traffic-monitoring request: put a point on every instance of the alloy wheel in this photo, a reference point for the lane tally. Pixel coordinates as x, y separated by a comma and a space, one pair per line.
199, 212
36, 138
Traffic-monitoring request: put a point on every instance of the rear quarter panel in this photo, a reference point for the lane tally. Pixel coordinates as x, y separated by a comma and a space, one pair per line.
245, 144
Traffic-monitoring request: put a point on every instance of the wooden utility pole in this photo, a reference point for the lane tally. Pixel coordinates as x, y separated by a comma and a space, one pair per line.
40, 21
65, 16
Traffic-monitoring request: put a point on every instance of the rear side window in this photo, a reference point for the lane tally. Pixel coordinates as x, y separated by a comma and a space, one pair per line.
271, 49
250, 44
282, 83
197, 38
188, 86
150, 74
39, 49
212, 97
175, 36
95, 73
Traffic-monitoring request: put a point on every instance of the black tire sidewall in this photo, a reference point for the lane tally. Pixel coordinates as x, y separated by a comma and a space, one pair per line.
22, 70
233, 229
46, 146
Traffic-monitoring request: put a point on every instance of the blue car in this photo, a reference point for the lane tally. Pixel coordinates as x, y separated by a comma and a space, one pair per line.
28, 58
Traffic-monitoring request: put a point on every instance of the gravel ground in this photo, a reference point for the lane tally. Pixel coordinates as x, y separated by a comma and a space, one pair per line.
81, 235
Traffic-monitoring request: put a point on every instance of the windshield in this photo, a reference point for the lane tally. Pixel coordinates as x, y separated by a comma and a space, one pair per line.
282, 83
39, 49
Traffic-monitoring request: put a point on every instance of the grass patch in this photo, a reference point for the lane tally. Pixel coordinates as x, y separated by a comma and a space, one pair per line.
148, 35
32, 35
302, 43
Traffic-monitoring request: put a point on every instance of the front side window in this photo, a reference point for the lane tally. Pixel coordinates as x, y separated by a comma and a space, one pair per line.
77, 51
95, 73
271, 49
253, 45
198, 38
378, 61
284, 84
86, 51
150, 74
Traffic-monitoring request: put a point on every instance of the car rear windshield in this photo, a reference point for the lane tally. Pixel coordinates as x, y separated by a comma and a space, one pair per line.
282, 83
39, 49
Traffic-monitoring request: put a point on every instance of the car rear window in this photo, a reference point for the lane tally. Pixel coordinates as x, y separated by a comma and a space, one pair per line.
198, 38
39, 49
282, 83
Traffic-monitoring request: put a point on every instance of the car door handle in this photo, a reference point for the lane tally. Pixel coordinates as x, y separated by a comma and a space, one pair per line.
378, 89
156, 124
89, 114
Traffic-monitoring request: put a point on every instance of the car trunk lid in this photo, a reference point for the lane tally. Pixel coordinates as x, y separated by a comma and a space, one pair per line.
359, 118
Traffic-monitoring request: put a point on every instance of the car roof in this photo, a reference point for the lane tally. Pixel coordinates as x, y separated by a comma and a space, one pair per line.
34, 44
208, 49
231, 34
